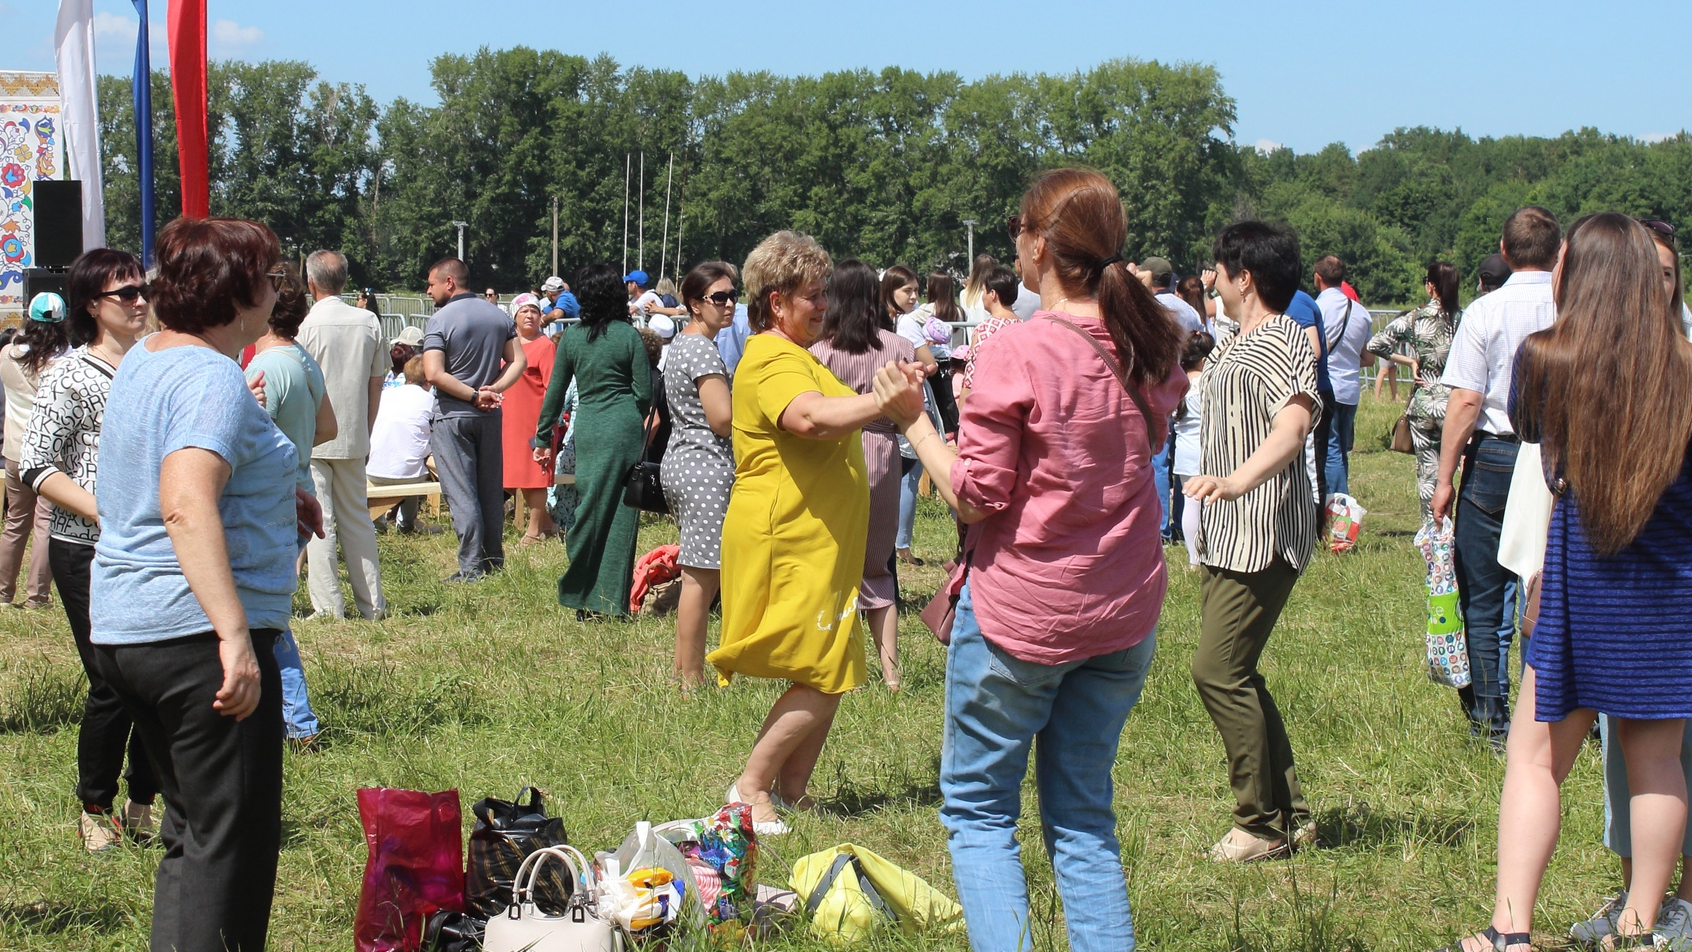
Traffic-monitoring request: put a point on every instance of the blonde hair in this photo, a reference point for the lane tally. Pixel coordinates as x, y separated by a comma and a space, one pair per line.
414, 371
781, 264
665, 286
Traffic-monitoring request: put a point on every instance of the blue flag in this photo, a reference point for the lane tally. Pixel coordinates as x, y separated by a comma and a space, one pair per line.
144, 132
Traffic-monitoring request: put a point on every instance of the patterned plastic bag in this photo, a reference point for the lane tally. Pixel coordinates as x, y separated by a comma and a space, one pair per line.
1345, 519
722, 851
1448, 649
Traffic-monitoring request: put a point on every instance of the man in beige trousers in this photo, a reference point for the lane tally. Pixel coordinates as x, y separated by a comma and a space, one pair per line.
347, 343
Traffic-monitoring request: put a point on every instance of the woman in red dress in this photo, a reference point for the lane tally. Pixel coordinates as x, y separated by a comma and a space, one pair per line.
521, 412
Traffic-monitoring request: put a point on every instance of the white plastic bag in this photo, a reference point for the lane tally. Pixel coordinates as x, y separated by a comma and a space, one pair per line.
1345, 520
646, 884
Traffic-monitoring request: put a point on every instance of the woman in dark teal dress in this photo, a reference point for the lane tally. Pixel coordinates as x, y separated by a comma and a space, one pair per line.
606, 358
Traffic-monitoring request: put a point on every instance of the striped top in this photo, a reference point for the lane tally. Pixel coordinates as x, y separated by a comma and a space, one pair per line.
1249, 380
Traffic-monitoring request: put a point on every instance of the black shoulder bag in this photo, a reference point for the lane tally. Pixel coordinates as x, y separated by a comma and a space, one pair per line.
641, 489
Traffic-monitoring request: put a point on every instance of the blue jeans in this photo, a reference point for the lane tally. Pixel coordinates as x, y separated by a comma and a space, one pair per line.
1160, 473
1342, 427
996, 705
907, 507
1487, 466
296, 706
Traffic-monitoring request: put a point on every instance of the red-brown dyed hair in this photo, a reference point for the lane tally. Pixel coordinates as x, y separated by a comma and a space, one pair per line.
209, 268
1080, 215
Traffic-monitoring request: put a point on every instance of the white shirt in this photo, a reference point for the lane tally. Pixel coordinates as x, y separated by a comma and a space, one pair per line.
1483, 351
1190, 320
1026, 303
910, 327
1345, 350
400, 441
637, 307
1187, 455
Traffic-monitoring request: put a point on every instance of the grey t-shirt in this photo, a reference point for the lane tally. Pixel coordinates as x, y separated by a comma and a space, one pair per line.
471, 333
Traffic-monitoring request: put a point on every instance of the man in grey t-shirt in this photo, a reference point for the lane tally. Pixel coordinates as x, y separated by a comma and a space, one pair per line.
464, 345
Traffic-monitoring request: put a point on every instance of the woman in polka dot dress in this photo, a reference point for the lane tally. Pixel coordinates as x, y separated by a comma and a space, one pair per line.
698, 467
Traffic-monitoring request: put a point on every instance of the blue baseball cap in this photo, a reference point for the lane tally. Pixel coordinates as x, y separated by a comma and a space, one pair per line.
638, 277
47, 308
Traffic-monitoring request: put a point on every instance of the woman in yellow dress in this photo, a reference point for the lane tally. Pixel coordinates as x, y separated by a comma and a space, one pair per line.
793, 539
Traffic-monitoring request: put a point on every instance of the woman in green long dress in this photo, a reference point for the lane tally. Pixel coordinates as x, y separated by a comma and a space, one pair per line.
606, 358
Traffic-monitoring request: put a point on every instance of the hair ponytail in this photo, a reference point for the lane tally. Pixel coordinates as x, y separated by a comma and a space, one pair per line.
1079, 213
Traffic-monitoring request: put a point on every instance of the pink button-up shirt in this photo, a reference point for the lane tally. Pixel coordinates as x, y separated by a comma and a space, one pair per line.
1068, 563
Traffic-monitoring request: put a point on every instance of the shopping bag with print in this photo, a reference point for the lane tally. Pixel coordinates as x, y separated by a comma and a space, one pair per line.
1447, 648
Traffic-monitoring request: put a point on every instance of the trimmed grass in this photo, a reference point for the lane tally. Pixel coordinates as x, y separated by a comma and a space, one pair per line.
488, 687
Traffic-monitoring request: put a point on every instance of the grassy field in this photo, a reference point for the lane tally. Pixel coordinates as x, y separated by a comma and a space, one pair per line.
489, 687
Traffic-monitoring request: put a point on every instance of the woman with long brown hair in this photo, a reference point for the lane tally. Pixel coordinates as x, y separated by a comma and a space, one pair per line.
1611, 636
1055, 624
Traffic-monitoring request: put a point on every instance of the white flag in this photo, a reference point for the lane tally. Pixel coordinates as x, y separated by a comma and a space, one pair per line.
73, 48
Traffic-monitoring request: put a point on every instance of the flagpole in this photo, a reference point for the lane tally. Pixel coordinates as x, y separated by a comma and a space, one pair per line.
669, 180
143, 95
627, 168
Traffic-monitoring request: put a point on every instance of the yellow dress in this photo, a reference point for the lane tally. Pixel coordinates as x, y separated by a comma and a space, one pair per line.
793, 539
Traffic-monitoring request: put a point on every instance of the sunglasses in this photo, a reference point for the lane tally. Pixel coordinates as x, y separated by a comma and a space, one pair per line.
723, 298
278, 280
1013, 225
1660, 227
129, 293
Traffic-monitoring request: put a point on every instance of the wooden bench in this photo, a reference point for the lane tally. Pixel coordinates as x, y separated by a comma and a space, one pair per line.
385, 497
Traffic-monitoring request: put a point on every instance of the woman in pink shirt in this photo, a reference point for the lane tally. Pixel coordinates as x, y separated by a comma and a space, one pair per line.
1055, 626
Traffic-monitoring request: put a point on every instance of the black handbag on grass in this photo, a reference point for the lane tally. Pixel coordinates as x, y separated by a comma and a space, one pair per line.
505, 834
641, 489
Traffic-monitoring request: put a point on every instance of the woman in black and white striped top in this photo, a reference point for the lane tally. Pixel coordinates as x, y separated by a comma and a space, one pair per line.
1257, 529
106, 311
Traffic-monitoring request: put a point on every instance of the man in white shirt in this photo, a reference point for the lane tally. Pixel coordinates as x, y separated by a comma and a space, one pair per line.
1478, 432
1162, 285
1346, 327
347, 343
641, 300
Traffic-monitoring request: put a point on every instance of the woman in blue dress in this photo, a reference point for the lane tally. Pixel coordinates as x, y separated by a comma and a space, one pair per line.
1611, 639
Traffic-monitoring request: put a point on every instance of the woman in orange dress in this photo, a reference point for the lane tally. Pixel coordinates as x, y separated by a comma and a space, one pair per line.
521, 413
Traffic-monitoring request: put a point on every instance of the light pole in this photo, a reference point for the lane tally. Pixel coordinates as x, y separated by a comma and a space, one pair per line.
461, 225
970, 224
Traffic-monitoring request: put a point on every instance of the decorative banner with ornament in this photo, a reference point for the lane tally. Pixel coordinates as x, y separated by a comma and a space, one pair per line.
31, 148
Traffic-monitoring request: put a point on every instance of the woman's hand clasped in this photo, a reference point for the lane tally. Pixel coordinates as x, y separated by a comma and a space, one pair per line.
898, 391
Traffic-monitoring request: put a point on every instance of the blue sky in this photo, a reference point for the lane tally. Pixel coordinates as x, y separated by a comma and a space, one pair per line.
1303, 75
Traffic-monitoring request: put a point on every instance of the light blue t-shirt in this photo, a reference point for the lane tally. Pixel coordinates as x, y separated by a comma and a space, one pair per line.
293, 392
175, 399
731, 340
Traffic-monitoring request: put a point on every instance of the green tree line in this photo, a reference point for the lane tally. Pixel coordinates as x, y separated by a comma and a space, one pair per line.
887, 166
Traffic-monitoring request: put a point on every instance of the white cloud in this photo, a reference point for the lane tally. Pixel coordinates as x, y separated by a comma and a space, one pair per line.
114, 26
1655, 137
1267, 146
230, 36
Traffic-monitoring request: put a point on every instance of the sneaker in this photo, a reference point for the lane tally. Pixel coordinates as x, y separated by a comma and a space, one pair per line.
1602, 923
1242, 847
138, 822
99, 832
1674, 924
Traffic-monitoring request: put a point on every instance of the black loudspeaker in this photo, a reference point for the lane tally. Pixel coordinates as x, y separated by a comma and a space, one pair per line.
58, 223
37, 280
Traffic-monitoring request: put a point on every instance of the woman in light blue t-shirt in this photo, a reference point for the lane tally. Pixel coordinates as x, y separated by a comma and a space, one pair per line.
296, 399
194, 577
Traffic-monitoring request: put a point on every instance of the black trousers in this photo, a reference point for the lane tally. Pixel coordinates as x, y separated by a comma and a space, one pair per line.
106, 733
222, 784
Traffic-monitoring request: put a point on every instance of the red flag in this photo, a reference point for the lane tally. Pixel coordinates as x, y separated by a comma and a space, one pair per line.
188, 90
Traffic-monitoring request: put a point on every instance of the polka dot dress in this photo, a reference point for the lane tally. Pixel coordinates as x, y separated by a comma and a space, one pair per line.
698, 469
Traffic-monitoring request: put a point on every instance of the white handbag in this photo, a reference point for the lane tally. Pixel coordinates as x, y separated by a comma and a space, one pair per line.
524, 928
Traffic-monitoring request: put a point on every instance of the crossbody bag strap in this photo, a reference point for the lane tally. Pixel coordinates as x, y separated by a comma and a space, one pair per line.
1345, 319
1119, 373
